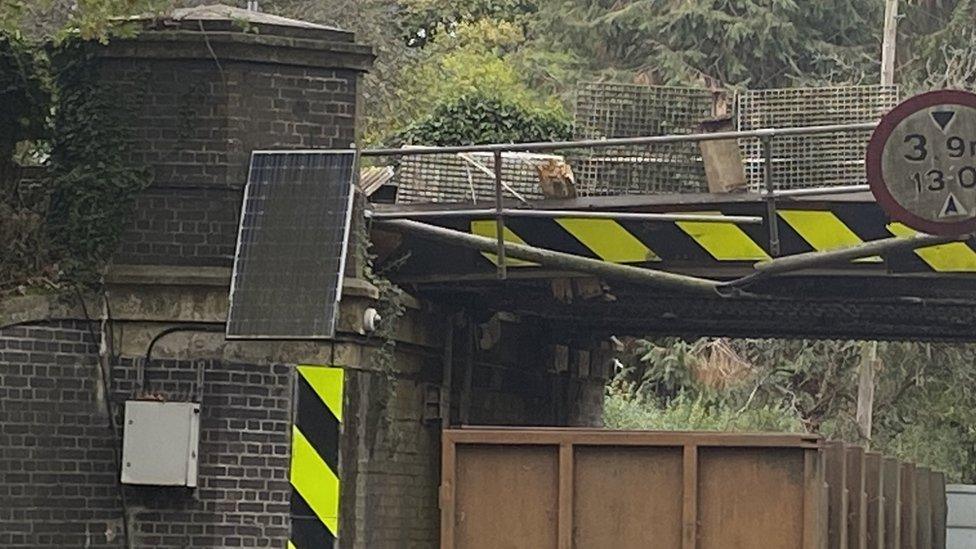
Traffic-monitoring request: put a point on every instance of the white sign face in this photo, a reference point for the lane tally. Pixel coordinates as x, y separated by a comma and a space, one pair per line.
922, 162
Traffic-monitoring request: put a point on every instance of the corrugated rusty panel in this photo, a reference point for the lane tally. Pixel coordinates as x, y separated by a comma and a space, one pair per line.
892, 503
772, 513
520, 487
570, 488
939, 510
608, 480
923, 507
856, 499
874, 490
836, 475
909, 521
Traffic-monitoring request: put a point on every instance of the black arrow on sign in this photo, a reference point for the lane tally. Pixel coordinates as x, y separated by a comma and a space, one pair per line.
942, 118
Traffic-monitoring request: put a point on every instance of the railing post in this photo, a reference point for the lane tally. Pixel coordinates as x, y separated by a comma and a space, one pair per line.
771, 213
500, 217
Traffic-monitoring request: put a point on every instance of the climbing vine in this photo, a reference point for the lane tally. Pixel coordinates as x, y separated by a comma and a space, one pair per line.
94, 180
390, 307
64, 224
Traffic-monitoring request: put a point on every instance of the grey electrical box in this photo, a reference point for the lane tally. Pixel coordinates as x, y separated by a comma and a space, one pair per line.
160, 443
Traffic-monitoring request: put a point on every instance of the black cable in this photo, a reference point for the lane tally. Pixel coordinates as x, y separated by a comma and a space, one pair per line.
113, 424
209, 328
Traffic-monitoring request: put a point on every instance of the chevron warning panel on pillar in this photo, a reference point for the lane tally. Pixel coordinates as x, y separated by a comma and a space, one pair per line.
315, 457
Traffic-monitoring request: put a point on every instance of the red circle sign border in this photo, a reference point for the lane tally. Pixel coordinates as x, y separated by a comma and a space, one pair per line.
876, 146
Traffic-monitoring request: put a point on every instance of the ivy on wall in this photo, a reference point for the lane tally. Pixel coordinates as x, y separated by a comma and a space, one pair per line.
90, 181
93, 179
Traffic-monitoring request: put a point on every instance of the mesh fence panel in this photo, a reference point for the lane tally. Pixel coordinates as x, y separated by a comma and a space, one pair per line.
609, 110
468, 177
808, 161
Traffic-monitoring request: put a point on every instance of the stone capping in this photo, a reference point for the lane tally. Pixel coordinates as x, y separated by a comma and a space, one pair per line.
263, 28
242, 47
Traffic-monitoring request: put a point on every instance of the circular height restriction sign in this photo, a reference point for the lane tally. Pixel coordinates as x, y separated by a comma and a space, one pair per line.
921, 162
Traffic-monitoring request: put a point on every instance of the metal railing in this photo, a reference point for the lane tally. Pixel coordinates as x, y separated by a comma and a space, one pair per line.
768, 193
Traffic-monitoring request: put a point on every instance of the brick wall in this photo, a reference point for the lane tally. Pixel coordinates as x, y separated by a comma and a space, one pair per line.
245, 438
58, 484
390, 463
194, 126
59, 480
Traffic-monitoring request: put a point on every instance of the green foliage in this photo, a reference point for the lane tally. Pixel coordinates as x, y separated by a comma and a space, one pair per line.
93, 180
24, 100
58, 20
478, 118
62, 228
695, 414
756, 43
425, 20
937, 45
924, 407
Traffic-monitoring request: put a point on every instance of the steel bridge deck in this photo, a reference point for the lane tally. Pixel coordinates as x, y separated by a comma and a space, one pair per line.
927, 294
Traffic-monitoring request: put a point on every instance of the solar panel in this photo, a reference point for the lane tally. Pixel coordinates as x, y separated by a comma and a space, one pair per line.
291, 245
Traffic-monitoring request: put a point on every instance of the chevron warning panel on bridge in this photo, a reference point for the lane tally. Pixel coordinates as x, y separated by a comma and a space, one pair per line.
821, 226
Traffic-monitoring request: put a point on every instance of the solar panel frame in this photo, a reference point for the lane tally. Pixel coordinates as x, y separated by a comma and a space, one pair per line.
329, 332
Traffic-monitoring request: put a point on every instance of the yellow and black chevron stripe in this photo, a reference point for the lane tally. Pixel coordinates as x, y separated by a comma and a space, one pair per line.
688, 243
315, 457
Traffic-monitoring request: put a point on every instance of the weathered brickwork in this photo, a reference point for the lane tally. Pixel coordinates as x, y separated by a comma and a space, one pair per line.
194, 123
391, 469
59, 479
195, 227
59, 486
245, 437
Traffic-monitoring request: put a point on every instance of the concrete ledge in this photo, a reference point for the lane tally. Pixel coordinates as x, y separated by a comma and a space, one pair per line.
176, 295
169, 275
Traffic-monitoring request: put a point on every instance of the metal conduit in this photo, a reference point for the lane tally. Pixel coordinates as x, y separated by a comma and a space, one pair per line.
549, 214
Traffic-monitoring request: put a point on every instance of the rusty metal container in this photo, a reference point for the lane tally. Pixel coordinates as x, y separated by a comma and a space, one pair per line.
586, 488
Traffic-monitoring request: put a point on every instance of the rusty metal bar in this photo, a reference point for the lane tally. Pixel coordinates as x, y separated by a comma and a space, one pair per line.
565, 504
623, 141
447, 365
689, 504
516, 212
500, 218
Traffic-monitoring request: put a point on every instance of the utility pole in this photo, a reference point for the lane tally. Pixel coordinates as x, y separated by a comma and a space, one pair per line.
889, 43
865, 388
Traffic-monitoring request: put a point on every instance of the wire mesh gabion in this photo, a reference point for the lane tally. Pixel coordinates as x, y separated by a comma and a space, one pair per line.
468, 177
610, 110
808, 161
